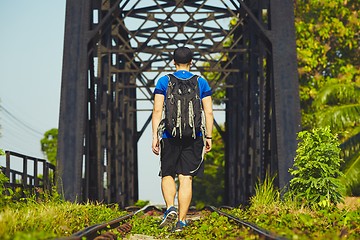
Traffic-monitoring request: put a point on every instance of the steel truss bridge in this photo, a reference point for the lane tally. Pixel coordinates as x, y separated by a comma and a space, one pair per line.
115, 49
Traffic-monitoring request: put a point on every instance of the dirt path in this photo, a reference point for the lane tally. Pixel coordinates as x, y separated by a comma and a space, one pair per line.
352, 203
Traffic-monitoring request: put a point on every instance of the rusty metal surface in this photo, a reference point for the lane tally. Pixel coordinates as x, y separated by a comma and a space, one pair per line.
114, 50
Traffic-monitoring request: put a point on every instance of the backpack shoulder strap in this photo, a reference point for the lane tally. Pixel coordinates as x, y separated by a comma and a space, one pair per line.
172, 76
195, 78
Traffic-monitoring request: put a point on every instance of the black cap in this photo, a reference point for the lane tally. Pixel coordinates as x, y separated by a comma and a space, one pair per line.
183, 55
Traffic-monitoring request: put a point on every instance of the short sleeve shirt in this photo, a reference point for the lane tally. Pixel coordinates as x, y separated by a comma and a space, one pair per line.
162, 85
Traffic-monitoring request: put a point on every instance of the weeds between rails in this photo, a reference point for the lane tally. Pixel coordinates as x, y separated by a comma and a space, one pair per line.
121, 226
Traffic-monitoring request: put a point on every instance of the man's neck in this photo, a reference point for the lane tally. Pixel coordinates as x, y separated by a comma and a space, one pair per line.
185, 67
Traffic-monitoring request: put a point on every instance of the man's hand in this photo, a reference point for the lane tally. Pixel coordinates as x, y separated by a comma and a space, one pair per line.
155, 146
209, 120
156, 118
208, 145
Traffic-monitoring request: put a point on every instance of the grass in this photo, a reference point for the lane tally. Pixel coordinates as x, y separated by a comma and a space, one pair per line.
304, 223
50, 219
296, 221
265, 194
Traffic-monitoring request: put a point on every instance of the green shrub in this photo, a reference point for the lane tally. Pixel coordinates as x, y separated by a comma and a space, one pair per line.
316, 169
4, 198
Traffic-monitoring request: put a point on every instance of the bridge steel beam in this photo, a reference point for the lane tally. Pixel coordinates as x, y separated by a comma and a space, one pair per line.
263, 111
285, 86
73, 100
97, 150
113, 52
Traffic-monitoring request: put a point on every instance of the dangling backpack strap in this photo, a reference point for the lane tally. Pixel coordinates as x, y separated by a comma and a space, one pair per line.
162, 126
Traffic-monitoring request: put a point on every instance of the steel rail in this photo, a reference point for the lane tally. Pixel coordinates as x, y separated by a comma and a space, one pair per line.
94, 231
255, 228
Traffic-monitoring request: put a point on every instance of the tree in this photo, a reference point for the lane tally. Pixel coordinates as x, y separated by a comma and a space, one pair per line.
338, 106
327, 46
329, 74
49, 145
209, 189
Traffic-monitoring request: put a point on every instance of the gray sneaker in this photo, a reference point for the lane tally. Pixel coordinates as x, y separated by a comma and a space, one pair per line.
169, 218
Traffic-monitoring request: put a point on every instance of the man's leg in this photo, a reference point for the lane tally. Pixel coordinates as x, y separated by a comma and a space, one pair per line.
168, 188
185, 195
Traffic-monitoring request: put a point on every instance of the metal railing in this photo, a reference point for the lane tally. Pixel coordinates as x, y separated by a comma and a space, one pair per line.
36, 173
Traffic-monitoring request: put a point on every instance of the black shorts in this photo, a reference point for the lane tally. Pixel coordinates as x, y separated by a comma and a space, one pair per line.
182, 156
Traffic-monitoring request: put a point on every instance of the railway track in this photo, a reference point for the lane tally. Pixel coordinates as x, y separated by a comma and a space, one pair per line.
121, 225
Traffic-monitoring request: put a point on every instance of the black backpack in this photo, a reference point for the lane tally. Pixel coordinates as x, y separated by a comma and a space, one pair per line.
183, 108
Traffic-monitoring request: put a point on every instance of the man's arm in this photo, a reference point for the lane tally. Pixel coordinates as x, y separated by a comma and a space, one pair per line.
209, 120
156, 118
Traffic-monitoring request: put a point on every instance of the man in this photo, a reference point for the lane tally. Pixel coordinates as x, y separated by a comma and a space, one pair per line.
181, 157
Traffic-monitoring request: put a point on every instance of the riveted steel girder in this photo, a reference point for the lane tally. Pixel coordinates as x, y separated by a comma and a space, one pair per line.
113, 52
265, 118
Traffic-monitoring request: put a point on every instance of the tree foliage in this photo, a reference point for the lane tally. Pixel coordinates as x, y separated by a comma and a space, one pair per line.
328, 50
351, 168
327, 47
49, 145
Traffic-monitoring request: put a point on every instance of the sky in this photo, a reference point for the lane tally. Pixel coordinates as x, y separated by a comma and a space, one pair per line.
31, 48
